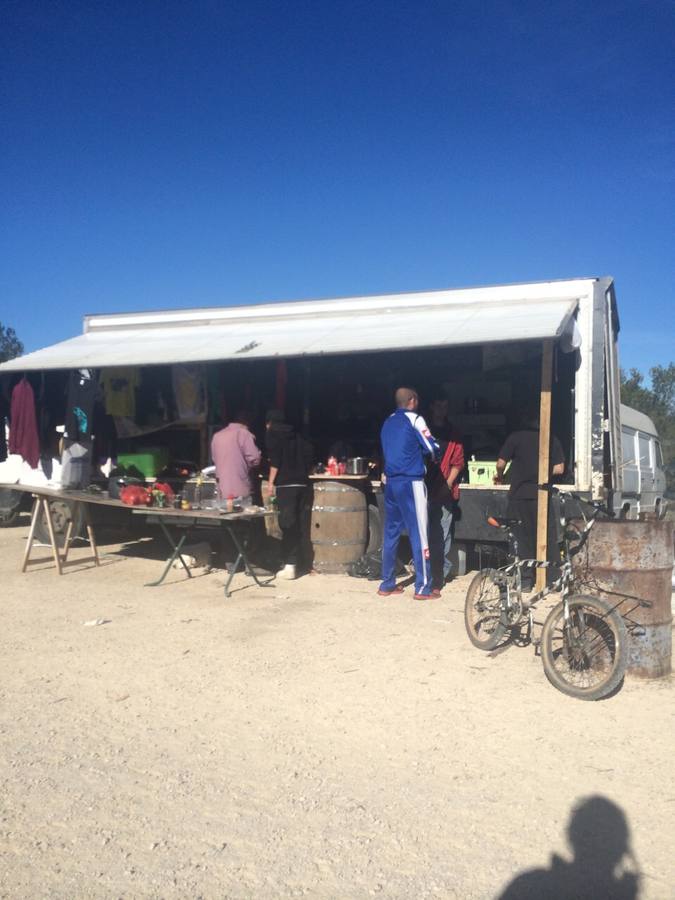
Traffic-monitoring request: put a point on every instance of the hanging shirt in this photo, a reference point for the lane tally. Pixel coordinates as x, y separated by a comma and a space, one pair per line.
80, 406
189, 392
119, 388
23, 431
4, 410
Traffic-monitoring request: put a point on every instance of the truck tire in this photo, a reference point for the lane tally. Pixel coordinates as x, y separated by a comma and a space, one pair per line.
62, 513
10, 506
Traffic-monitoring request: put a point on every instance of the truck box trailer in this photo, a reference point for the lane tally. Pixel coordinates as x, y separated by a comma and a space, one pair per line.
488, 347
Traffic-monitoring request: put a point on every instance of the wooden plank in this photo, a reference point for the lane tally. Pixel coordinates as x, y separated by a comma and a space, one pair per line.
544, 457
52, 535
37, 507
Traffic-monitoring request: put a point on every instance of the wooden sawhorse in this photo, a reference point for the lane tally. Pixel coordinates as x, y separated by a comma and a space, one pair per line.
41, 507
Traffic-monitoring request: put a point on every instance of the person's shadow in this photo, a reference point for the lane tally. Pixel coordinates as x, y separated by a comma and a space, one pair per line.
603, 864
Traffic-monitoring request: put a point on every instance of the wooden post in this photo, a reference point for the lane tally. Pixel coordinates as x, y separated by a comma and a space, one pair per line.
544, 457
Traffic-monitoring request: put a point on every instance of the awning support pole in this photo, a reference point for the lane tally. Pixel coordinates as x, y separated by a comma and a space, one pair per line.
544, 457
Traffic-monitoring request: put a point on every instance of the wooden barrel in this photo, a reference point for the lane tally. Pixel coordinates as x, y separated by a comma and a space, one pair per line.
339, 525
630, 564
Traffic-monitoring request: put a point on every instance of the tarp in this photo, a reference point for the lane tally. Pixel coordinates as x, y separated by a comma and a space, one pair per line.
359, 324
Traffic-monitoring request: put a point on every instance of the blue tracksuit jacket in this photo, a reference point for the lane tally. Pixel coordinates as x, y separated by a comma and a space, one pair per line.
406, 440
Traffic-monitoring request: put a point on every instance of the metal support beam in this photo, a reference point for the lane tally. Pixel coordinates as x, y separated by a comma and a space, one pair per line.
544, 457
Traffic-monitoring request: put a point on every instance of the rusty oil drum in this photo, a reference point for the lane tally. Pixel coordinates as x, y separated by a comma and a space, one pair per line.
626, 562
339, 526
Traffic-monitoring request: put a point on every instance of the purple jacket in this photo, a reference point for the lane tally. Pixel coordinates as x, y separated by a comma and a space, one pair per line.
23, 432
234, 453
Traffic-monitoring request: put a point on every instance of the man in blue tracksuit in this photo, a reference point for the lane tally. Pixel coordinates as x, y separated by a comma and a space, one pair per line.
406, 441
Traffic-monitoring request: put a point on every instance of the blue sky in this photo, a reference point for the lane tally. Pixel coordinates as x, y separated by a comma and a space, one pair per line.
159, 155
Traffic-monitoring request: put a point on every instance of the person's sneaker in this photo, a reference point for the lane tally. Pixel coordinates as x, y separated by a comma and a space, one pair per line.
435, 592
396, 590
288, 572
425, 596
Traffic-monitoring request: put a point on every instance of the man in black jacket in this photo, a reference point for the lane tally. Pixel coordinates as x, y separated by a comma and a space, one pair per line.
290, 459
521, 449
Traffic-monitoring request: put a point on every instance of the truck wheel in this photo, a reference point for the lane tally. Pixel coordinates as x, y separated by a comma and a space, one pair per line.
62, 514
10, 506
8, 517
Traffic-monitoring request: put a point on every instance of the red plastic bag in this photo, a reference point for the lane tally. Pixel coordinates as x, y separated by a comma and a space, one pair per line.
166, 489
135, 495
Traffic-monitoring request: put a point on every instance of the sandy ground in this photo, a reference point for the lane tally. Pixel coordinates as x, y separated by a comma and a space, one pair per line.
309, 739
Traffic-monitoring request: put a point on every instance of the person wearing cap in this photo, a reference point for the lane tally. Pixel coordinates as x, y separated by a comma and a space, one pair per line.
290, 459
406, 442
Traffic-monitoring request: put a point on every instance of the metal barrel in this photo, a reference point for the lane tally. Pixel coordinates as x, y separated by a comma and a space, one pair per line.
630, 564
339, 526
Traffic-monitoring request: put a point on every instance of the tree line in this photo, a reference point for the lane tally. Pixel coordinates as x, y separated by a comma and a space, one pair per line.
657, 402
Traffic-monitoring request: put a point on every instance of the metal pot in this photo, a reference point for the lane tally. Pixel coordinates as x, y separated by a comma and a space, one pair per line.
357, 465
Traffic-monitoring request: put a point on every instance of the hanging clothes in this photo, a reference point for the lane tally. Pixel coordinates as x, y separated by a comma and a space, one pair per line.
80, 405
189, 391
4, 412
23, 431
119, 388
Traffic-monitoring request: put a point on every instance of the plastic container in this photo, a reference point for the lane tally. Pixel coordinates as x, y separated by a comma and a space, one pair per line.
149, 461
483, 471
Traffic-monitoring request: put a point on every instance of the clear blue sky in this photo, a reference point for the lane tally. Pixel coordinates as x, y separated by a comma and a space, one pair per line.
168, 154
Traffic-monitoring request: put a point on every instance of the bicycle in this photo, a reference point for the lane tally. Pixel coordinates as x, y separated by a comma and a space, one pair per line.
584, 641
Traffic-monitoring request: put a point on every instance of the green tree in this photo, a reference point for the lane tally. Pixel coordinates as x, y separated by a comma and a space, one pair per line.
657, 402
10, 345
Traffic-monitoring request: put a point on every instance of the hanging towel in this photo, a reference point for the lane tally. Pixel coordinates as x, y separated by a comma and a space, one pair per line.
23, 431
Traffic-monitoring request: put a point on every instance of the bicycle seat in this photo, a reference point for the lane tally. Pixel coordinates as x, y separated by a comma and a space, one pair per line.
503, 522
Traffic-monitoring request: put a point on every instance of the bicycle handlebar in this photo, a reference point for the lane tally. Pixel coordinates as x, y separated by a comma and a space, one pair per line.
597, 505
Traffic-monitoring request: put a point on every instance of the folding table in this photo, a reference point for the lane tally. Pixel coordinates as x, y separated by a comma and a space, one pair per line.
188, 518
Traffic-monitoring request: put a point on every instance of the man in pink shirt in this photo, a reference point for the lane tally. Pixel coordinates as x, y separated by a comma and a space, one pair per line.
235, 456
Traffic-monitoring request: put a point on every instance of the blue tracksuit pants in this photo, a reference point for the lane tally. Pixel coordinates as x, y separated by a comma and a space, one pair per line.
405, 508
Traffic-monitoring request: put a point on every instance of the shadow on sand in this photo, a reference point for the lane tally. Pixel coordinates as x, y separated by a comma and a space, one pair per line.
602, 866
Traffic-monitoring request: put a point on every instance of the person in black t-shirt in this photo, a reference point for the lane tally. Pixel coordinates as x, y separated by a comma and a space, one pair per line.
290, 458
521, 449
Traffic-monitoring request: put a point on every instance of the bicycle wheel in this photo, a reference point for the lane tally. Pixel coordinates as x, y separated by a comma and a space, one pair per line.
484, 617
586, 656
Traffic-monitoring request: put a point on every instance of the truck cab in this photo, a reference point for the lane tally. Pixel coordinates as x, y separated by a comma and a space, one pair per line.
643, 476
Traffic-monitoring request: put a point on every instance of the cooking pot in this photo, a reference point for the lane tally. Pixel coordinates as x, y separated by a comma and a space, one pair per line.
357, 465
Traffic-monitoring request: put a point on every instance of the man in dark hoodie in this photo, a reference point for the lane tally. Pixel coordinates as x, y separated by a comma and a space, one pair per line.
290, 459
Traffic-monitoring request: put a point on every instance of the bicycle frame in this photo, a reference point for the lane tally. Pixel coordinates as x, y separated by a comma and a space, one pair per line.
510, 577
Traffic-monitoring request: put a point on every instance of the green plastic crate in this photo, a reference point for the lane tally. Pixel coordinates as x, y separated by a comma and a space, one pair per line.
149, 461
483, 471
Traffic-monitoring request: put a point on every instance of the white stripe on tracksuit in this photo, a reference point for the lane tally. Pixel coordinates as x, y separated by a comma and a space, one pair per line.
422, 513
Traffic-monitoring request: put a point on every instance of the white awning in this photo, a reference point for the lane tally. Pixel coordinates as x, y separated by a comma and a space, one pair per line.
310, 328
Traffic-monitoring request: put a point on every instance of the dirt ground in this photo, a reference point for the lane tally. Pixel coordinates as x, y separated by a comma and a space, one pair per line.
308, 739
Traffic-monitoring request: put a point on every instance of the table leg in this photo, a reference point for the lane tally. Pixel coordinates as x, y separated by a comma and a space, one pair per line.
69, 537
90, 533
175, 555
241, 557
37, 506
52, 535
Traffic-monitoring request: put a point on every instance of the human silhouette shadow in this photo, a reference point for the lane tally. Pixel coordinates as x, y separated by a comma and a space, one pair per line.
603, 864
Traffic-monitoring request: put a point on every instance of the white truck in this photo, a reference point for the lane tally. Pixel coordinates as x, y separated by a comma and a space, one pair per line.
483, 345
